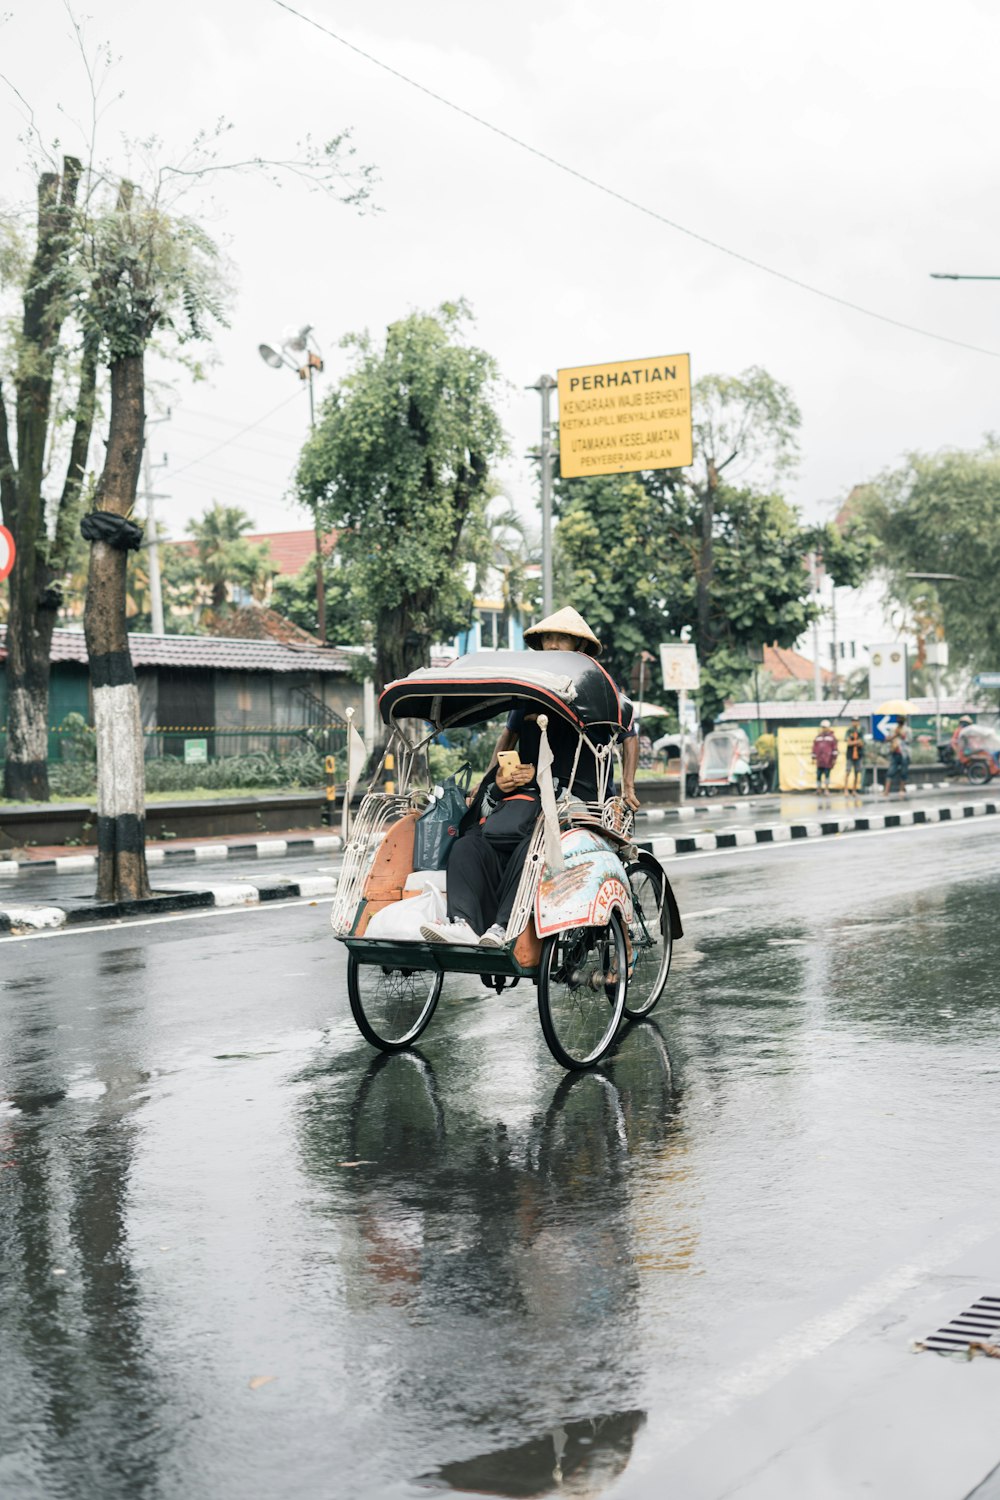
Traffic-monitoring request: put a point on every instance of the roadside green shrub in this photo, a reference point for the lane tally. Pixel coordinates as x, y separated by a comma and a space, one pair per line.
69, 778
77, 740
299, 768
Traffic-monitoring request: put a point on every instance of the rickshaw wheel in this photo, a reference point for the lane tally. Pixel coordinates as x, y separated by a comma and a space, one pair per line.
977, 772
391, 1006
582, 982
652, 938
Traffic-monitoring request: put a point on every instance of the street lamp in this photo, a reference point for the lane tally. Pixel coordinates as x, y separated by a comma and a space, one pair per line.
290, 357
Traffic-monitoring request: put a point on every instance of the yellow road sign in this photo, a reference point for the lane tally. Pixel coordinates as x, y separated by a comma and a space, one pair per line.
620, 418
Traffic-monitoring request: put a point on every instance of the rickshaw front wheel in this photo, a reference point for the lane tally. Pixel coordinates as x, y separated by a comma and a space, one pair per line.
978, 772
582, 983
391, 1006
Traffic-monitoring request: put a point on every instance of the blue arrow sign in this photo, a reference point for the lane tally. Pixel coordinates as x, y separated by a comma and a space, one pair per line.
988, 679
882, 726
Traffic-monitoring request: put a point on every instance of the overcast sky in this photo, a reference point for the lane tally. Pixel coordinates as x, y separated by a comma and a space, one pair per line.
851, 147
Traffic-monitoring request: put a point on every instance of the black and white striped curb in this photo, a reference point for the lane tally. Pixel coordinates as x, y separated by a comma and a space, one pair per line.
18, 919
183, 854
777, 833
708, 807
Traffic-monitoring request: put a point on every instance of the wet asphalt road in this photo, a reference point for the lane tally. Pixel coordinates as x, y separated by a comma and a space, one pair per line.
241, 1256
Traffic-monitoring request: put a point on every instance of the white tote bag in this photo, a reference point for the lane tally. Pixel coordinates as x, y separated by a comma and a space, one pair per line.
401, 920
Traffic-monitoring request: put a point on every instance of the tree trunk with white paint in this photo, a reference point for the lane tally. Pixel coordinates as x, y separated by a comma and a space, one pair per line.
121, 776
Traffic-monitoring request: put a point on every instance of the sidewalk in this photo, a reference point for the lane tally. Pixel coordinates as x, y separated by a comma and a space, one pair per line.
170, 852
73, 904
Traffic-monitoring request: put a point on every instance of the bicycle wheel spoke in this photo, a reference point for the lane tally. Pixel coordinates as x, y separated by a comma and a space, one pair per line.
651, 938
391, 1006
581, 992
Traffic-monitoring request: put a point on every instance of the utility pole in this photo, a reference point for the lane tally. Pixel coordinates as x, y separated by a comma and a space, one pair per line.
152, 540
313, 363
833, 639
817, 670
289, 355
545, 386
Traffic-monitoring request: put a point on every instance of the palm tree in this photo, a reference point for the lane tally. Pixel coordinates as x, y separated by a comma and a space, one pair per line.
226, 558
504, 560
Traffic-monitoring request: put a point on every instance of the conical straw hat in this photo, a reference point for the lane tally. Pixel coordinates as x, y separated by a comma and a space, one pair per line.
565, 622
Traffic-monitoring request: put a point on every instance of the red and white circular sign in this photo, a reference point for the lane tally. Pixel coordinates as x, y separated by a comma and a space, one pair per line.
8, 552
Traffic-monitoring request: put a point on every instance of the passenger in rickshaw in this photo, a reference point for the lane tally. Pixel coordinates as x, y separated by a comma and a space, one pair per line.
484, 867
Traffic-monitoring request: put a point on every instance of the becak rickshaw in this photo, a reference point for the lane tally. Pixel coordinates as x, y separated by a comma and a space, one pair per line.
727, 762
977, 753
594, 918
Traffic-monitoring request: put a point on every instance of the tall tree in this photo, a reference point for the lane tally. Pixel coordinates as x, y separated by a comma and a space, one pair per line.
400, 466
141, 270
43, 525
940, 513
294, 595
745, 426
629, 549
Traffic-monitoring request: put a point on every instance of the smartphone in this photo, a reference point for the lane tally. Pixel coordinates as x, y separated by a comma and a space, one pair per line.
508, 760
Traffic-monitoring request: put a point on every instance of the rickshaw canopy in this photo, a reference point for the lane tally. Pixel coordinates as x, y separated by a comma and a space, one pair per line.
567, 684
978, 739
721, 748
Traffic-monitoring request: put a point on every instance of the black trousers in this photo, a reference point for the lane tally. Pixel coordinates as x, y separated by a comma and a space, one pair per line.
483, 880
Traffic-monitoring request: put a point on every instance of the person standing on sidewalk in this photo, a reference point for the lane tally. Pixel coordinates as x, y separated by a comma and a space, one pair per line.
854, 751
899, 758
824, 753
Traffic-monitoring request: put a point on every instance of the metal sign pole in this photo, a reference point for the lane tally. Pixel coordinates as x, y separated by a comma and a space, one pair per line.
544, 386
682, 710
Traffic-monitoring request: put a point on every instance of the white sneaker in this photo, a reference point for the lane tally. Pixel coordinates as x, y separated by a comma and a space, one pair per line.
494, 937
449, 932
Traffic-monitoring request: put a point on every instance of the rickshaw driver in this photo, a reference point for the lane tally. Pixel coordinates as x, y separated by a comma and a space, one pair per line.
484, 872
566, 630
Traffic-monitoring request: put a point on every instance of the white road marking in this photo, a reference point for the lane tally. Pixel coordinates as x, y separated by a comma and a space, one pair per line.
786, 1354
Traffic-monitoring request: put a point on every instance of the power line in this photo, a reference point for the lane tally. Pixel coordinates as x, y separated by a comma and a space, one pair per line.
642, 208
252, 479
211, 416
226, 441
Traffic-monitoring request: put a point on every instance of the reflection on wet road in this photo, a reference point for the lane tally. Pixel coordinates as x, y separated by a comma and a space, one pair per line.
241, 1254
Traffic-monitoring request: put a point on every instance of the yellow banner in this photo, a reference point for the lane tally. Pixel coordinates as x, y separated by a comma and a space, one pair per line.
796, 767
623, 417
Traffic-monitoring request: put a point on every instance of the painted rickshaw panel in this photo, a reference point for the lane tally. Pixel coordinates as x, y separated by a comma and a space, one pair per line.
585, 893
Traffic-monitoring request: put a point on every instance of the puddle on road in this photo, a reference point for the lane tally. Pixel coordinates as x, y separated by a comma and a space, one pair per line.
575, 1458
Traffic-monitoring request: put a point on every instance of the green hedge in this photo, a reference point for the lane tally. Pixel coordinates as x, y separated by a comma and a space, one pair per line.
300, 768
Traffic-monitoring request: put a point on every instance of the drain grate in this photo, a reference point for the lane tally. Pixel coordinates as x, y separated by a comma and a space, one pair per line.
979, 1324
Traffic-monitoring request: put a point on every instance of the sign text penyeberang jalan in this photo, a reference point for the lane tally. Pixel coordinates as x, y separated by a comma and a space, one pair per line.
619, 418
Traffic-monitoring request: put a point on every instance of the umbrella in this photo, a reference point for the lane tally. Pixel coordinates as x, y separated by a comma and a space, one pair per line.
897, 706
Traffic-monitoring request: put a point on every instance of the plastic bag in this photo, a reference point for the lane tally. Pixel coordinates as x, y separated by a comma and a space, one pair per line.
401, 920
437, 828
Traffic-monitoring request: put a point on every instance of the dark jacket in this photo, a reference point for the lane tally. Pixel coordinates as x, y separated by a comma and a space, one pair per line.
825, 749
